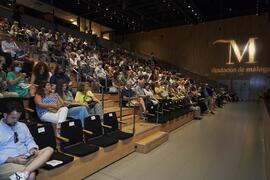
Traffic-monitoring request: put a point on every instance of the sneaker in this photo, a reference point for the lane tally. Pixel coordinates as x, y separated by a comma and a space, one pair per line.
20, 176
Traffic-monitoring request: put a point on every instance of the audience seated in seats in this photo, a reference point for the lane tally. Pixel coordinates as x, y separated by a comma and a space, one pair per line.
17, 81
50, 106
84, 62
14, 29
20, 156
194, 107
161, 90
85, 96
59, 74
140, 92
3, 82
207, 94
9, 49
4, 25
76, 110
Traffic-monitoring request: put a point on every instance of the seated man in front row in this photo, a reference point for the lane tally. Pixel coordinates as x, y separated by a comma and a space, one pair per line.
19, 154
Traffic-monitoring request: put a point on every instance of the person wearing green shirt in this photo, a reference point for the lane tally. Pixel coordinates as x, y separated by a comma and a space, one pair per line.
16, 81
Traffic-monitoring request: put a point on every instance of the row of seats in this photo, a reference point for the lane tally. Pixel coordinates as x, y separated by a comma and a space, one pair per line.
166, 110
78, 141
74, 140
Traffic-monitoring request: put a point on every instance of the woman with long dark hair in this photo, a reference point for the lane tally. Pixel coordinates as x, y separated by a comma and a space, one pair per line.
50, 106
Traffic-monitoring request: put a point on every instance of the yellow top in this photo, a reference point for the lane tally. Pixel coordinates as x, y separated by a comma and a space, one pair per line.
84, 98
158, 90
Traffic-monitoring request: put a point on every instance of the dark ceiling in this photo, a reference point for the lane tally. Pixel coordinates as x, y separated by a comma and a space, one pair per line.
143, 15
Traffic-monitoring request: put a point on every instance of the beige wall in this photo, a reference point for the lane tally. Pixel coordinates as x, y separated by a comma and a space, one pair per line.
191, 46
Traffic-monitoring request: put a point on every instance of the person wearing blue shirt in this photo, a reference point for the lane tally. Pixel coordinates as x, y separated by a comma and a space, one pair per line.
19, 154
59, 74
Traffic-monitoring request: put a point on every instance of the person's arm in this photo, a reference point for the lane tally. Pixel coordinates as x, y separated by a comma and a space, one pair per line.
29, 140
12, 81
16, 160
16, 47
38, 102
95, 99
33, 79
60, 101
4, 47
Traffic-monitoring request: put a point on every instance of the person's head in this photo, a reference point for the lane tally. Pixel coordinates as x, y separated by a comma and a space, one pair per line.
12, 112
61, 87
41, 69
16, 67
59, 69
2, 62
141, 81
84, 87
44, 89
43, 57
128, 85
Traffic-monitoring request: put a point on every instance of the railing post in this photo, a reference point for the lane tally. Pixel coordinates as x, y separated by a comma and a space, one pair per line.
133, 129
121, 106
102, 98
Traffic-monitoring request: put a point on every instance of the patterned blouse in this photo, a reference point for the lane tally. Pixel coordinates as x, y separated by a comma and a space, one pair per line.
51, 99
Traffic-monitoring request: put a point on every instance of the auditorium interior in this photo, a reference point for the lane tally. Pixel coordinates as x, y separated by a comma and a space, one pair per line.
135, 90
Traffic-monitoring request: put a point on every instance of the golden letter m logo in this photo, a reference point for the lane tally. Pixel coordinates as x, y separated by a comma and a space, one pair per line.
250, 46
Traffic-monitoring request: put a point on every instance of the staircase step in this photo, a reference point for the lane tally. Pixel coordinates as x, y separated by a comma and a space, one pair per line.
113, 97
125, 111
129, 119
110, 103
151, 142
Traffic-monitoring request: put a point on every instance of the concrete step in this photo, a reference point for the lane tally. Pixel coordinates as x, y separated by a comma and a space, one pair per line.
151, 142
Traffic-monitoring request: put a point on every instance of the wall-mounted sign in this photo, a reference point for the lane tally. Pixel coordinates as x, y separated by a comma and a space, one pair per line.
250, 63
249, 48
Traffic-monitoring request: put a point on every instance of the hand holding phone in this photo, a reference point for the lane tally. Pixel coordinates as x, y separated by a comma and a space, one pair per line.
30, 156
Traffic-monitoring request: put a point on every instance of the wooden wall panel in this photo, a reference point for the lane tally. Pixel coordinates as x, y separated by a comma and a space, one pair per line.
191, 46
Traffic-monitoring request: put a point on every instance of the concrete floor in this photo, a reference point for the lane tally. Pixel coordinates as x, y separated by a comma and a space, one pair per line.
225, 146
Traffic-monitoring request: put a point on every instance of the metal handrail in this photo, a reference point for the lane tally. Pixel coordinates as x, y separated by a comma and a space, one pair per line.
121, 105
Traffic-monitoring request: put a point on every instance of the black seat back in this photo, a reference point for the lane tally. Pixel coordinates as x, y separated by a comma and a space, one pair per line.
110, 119
32, 105
151, 107
72, 130
93, 124
43, 135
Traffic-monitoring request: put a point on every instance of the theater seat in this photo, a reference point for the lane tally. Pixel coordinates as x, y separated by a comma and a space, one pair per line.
110, 119
94, 125
73, 132
44, 136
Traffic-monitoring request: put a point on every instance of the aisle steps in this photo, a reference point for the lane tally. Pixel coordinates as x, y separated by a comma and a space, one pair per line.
151, 142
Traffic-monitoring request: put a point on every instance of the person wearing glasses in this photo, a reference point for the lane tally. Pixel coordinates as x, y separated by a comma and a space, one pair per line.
19, 154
